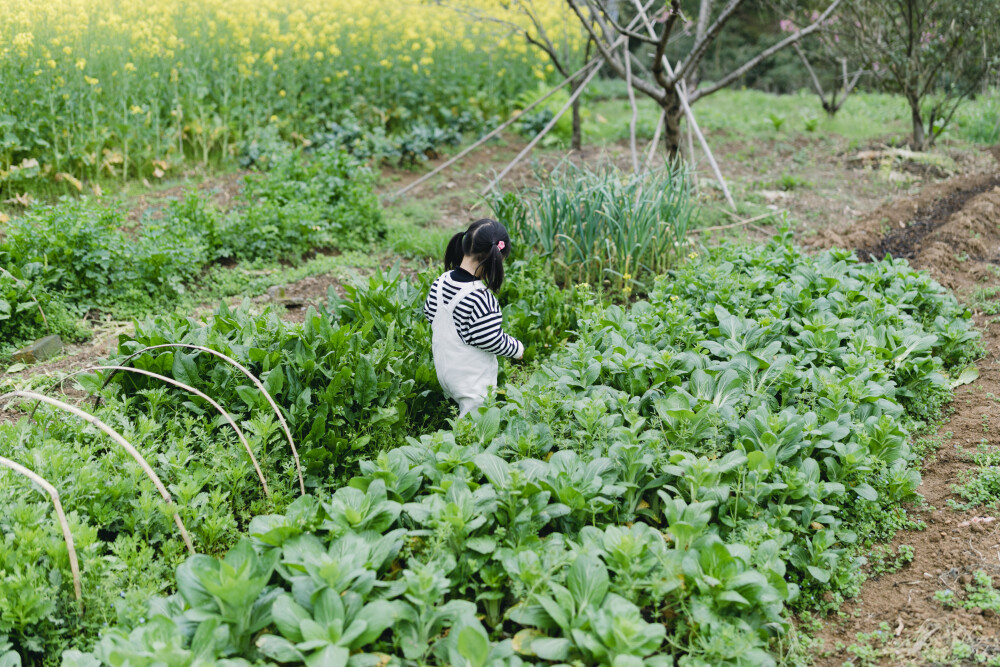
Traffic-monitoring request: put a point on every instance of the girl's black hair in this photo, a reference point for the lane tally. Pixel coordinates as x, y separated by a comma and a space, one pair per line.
481, 241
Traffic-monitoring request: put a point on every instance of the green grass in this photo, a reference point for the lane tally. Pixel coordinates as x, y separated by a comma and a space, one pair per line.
753, 114
413, 229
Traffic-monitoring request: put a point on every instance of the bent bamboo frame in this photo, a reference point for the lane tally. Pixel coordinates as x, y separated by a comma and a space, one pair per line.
251, 376
74, 564
199, 394
117, 437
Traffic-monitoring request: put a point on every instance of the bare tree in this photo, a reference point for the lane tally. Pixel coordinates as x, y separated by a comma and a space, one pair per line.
532, 29
658, 80
935, 53
842, 87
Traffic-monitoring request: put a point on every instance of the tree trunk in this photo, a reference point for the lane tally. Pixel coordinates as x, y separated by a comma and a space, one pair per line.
918, 125
671, 105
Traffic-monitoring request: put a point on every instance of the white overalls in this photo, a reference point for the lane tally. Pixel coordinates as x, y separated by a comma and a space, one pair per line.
466, 373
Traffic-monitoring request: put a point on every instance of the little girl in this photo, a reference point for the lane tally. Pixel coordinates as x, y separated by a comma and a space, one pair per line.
465, 316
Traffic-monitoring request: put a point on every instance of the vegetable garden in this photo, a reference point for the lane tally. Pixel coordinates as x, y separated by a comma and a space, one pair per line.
707, 444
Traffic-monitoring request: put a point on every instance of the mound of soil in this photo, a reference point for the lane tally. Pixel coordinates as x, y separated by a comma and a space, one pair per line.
951, 229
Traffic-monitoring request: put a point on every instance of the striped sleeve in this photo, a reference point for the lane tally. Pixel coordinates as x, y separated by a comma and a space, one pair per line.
480, 324
430, 305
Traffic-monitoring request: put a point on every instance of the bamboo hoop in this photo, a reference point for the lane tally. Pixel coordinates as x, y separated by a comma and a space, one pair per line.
74, 564
251, 376
199, 394
117, 437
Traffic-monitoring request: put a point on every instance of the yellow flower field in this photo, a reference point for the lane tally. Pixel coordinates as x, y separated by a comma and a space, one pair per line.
114, 88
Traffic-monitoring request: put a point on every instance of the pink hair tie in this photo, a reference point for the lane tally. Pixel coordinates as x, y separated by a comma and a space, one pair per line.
501, 245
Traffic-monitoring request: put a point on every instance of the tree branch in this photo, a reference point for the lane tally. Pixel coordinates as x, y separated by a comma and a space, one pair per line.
700, 46
638, 36
613, 61
661, 47
750, 64
812, 74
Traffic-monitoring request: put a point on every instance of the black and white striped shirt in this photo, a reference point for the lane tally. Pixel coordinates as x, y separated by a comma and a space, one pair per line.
478, 319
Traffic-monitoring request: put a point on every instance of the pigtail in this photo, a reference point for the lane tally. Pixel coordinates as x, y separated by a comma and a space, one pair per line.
454, 253
487, 241
493, 268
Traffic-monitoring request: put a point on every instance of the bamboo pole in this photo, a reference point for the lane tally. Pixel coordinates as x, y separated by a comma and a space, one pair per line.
500, 128
199, 394
545, 130
253, 378
635, 109
656, 139
74, 564
114, 435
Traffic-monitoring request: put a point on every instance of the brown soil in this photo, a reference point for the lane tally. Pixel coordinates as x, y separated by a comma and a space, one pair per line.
300, 295
222, 190
951, 229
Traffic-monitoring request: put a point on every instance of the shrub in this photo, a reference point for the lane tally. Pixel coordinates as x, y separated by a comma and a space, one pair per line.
322, 199
93, 257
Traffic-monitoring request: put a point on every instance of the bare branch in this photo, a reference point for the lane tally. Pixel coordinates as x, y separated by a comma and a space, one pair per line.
700, 46
766, 53
812, 74
607, 52
638, 36
661, 47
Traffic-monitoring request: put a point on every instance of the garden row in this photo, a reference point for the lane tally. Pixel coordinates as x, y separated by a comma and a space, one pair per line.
668, 486
63, 260
353, 379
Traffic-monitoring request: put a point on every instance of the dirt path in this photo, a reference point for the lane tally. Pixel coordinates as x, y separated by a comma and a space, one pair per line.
951, 229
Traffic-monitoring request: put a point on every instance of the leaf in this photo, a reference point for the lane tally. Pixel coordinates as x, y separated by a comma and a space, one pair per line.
279, 648
69, 178
16, 368
523, 640
473, 645
552, 648
274, 381
483, 545
588, 581
819, 574
496, 469
288, 616
866, 491
185, 369
365, 382
967, 376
